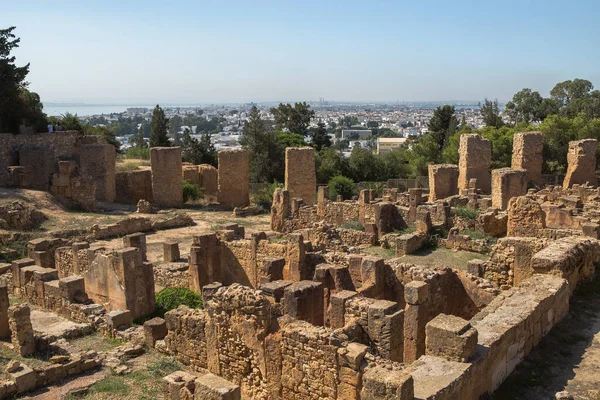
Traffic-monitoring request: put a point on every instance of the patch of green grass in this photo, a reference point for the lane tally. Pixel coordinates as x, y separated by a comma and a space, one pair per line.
111, 384
240, 222
409, 229
127, 166
477, 235
277, 239
163, 367
355, 225
465, 212
381, 252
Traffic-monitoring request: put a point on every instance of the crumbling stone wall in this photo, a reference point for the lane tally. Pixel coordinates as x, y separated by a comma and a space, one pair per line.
443, 181
98, 161
581, 161
71, 184
475, 155
133, 186
234, 185
61, 143
167, 189
527, 155
525, 217
41, 162
300, 176
506, 184
208, 179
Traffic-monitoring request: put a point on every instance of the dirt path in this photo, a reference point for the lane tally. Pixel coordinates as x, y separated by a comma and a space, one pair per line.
568, 358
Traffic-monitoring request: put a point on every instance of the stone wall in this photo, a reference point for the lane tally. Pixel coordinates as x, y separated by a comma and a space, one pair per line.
475, 155
208, 177
581, 161
167, 189
62, 145
133, 186
98, 161
527, 154
41, 162
71, 184
234, 178
300, 177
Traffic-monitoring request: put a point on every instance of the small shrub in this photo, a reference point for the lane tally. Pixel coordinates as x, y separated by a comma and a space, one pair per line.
191, 192
170, 298
476, 235
340, 185
264, 197
127, 166
142, 153
357, 226
465, 212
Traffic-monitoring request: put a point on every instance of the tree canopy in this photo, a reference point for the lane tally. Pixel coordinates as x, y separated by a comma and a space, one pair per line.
159, 129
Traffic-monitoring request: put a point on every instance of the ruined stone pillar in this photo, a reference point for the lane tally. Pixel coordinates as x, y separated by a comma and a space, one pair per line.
322, 198
527, 154
443, 181
204, 262
21, 330
171, 251
385, 329
451, 337
167, 189
234, 180
582, 163
280, 209
16, 273
98, 161
209, 177
506, 184
337, 308
300, 176
296, 257
475, 154
416, 295
137, 240
4, 304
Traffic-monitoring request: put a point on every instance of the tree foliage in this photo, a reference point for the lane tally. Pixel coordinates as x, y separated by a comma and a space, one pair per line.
198, 151
159, 128
490, 112
295, 119
264, 150
320, 138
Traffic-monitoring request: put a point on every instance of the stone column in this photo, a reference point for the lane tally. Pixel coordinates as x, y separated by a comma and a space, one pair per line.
300, 176
385, 329
475, 154
167, 189
296, 257
280, 209
204, 262
506, 184
322, 198
527, 154
4, 304
234, 181
21, 330
137, 240
443, 181
416, 295
582, 163
98, 161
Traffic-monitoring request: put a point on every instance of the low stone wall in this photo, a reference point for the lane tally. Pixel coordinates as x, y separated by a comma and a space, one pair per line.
133, 186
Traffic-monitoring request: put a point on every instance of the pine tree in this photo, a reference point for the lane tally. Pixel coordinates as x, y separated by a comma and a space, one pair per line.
160, 128
320, 138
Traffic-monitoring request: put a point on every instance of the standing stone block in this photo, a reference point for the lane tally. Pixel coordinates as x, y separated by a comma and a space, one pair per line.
190, 173
304, 301
167, 190
475, 154
137, 240
98, 161
416, 296
72, 288
234, 185
300, 176
4, 304
21, 329
133, 186
527, 154
16, 267
117, 318
179, 385
171, 251
582, 163
272, 270
204, 262
154, 329
213, 387
506, 184
451, 337
380, 383
443, 181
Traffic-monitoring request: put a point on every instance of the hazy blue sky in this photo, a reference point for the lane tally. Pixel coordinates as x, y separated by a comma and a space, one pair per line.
237, 51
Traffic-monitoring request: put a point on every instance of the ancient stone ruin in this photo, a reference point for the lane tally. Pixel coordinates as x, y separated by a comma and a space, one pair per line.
335, 301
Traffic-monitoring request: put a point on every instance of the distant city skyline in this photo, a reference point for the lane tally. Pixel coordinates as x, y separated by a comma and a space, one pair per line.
185, 52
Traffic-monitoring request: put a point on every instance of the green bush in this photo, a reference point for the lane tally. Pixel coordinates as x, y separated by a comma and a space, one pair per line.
171, 298
264, 197
341, 185
357, 226
142, 153
465, 212
191, 192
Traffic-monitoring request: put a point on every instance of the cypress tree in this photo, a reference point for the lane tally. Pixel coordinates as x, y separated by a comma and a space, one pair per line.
160, 128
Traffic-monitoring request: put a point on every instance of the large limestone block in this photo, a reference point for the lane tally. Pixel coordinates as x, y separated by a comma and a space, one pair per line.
443, 181
234, 185
167, 188
450, 337
582, 163
475, 154
506, 184
300, 176
527, 154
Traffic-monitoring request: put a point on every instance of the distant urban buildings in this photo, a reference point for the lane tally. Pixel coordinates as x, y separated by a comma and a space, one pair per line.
385, 145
